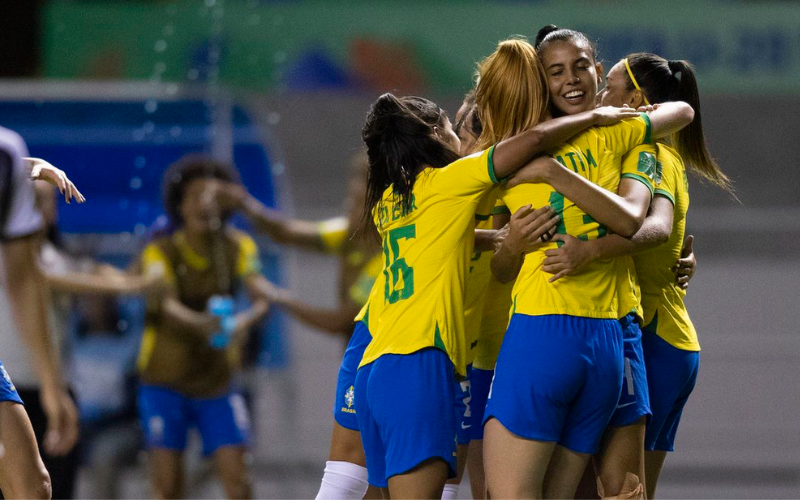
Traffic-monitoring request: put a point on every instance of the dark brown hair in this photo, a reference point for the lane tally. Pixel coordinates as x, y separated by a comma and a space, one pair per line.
662, 80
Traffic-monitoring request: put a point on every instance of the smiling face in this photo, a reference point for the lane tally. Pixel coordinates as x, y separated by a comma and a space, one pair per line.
617, 91
572, 76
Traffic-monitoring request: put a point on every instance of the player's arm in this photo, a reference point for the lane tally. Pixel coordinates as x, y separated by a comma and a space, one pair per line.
511, 154
575, 254
103, 279
283, 230
165, 301
623, 215
669, 117
336, 321
528, 230
29, 296
259, 306
488, 239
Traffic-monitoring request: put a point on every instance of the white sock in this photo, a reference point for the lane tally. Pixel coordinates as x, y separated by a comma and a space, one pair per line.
450, 492
343, 481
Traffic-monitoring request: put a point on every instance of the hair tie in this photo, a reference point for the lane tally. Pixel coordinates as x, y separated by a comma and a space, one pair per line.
675, 67
633, 81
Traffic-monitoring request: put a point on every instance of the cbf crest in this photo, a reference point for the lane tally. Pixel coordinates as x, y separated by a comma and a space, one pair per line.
349, 397
7, 378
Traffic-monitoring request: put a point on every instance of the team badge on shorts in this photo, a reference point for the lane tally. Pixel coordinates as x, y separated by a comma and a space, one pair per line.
7, 378
349, 397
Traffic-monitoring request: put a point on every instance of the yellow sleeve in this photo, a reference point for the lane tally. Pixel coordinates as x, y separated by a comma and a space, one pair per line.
334, 232
155, 263
667, 176
248, 262
627, 134
469, 176
500, 208
360, 290
640, 164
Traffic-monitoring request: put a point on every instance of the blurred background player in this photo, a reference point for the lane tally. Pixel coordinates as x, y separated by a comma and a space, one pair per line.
191, 346
360, 262
22, 473
65, 275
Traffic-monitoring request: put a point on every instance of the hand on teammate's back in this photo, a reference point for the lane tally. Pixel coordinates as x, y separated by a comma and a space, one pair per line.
686, 266
62, 421
569, 258
44, 171
529, 229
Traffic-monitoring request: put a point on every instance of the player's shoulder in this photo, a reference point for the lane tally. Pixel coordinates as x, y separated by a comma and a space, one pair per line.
12, 143
241, 238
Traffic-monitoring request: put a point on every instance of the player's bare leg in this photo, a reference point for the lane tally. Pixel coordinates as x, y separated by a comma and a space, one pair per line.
653, 462
425, 481
564, 473
622, 453
231, 465
346, 447
22, 472
515, 466
462, 452
477, 476
166, 472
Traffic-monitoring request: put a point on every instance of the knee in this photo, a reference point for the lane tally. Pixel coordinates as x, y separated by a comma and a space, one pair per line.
38, 486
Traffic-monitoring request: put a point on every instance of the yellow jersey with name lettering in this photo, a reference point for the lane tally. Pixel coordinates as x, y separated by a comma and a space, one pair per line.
596, 154
418, 300
662, 299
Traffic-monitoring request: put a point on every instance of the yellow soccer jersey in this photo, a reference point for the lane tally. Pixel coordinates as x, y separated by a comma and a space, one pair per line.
639, 164
478, 278
494, 320
418, 300
660, 295
595, 154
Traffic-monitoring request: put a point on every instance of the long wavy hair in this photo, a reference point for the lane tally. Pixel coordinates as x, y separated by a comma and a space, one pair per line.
511, 93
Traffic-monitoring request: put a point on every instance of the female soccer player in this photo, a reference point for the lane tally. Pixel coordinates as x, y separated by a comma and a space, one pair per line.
671, 349
487, 305
360, 263
538, 416
423, 201
573, 76
191, 344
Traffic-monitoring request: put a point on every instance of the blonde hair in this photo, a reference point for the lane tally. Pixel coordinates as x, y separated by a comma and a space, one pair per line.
511, 92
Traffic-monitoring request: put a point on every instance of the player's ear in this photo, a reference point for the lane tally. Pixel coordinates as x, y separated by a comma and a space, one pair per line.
600, 72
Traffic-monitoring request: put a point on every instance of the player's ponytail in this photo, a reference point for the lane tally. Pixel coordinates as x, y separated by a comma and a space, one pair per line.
512, 92
661, 81
401, 141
